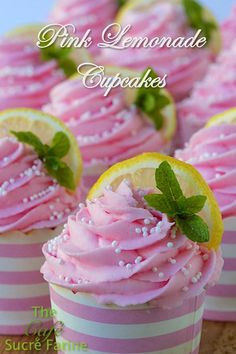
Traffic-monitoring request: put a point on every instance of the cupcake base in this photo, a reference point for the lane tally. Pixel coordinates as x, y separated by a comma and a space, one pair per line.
21, 284
221, 300
136, 329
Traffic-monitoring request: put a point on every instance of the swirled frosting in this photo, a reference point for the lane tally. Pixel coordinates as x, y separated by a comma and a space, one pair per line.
29, 198
84, 15
184, 66
25, 80
214, 94
108, 130
228, 29
212, 151
123, 253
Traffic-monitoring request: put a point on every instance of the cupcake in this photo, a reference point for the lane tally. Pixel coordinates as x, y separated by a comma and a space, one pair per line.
213, 95
33, 208
124, 277
109, 129
228, 29
212, 151
166, 18
27, 74
84, 15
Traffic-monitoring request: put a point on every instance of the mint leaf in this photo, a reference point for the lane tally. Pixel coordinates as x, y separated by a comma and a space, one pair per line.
51, 156
61, 55
151, 101
176, 206
121, 3
192, 205
194, 228
60, 171
161, 203
60, 145
32, 140
167, 182
195, 14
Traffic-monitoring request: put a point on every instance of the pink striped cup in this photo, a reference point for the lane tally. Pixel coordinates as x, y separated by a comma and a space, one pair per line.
136, 329
21, 283
221, 300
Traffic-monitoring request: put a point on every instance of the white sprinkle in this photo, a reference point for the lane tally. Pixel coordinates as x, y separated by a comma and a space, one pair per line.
114, 243
83, 219
205, 257
161, 275
60, 261
65, 237
173, 234
5, 159
172, 260
25, 200
12, 180
147, 221
67, 279
170, 244
91, 222
61, 277
128, 266
185, 289
154, 269
199, 275
153, 230
138, 230
108, 188
51, 207
81, 205
117, 250
138, 260
144, 229
217, 175
145, 234
121, 263
52, 217
194, 280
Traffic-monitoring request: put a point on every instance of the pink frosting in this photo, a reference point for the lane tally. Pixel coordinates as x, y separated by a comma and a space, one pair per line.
123, 253
213, 95
29, 198
213, 152
184, 66
84, 15
107, 129
25, 80
228, 29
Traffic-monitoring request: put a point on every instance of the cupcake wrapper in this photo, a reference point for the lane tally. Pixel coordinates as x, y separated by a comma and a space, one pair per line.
221, 300
136, 329
21, 284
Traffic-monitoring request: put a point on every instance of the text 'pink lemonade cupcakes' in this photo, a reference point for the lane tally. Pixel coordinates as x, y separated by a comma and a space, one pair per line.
213, 95
125, 278
212, 151
228, 29
112, 128
33, 206
155, 18
85, 15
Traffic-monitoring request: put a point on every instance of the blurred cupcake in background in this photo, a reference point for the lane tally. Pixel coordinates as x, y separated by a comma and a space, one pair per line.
118, 126
84, 15
167, 18
212, 151
35, 201
214, 94
228, 29
26, 75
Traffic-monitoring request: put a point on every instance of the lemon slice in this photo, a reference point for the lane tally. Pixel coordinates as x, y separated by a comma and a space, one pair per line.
143, 5
169, 112
228, 116
140, 170
31, 31
44, 126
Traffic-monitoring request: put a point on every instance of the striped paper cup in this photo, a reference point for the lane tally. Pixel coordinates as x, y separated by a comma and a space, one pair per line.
21, 284
221, 300
136, 329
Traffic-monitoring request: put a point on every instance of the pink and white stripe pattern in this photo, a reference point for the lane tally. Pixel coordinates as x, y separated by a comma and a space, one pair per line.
21, 284
138, 329
221, 300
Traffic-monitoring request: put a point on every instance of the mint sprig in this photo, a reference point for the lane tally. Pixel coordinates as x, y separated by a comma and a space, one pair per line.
61, 55
180, 209
196, 18
51, 156
151, 101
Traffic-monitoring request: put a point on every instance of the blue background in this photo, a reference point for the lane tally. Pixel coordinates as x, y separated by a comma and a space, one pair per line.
18, 12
